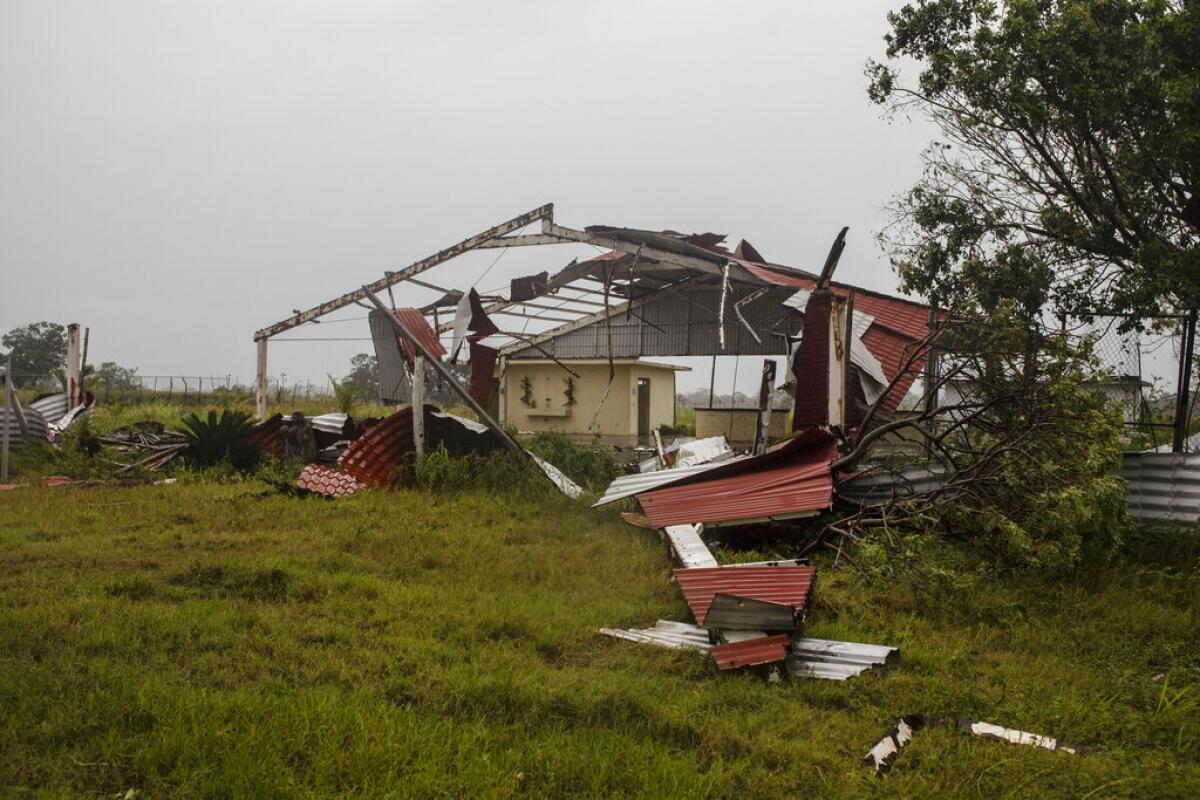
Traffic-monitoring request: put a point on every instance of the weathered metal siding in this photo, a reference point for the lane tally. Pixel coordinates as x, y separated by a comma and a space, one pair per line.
682, 323
1163, 487
35, 424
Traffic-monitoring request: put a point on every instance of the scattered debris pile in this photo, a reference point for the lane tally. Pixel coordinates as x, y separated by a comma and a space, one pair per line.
883, 754
150, 442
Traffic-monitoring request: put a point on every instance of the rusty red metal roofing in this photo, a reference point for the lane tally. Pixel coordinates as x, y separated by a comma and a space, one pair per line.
414, 322
793, 480
893, 351
268, 436
751, 652
905, 317
810, 365
323, 480
786, 585
372, 459
483, 369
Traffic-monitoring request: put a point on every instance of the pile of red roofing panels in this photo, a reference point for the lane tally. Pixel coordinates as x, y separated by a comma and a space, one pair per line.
786, 585
751, 652
329, 482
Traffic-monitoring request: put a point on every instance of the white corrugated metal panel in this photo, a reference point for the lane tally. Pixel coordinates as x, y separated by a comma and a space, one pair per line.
330, 423
833, 660
809, 658
689, 548
629, 485
35, 425
52, 407
556, 475
1163, 487
676, 635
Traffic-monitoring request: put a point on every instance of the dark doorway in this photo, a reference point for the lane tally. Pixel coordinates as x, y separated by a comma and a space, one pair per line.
643, 407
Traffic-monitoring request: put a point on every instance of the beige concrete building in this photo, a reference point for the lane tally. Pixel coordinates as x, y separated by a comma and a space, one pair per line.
539, 395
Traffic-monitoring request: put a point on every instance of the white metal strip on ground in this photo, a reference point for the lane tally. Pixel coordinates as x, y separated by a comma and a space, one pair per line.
675, 635
688, 547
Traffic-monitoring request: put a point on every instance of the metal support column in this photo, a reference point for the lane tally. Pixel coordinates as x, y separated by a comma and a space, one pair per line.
1188, 341
765, 392
418, 405
73, 366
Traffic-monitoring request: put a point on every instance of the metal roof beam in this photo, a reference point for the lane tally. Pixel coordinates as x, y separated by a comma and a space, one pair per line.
544, 213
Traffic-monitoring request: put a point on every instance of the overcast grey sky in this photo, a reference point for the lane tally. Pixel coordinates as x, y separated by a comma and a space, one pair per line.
177, 175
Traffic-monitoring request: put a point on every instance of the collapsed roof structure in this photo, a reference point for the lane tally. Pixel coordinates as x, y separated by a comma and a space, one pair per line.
664, 294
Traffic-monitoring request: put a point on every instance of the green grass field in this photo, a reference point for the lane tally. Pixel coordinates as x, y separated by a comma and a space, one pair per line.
223, 640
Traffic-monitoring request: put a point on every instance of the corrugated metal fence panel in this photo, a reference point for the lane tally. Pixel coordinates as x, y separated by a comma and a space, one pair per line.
36, 428
1163, 487
878, 486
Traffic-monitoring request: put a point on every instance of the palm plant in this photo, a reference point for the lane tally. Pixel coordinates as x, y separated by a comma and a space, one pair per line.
345, 394
215, 439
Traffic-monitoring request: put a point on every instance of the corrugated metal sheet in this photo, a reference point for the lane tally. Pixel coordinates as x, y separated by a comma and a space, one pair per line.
374, 457
751, 652
675, 635
879, 485
1163, 487
414, 322
789, 482
52, 407
834, 660
903, 316
333, 423
629, 485
268, 436
787, 585
36, 429
810, 365
892, 351
394, 384
809, 658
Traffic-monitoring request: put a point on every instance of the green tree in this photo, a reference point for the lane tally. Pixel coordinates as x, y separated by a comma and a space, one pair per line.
1066, 171
37, 349
111, 375
364, 376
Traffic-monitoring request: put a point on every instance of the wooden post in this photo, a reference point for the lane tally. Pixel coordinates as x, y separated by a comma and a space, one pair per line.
765, 391
8, 414
417, 399
73, 365
260, 381
1188, 343
712, 381
932, 376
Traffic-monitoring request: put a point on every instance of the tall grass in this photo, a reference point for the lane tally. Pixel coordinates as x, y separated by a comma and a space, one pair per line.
217, 640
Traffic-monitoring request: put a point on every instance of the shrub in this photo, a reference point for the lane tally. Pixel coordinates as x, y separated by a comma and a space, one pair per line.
589, 468
216, 439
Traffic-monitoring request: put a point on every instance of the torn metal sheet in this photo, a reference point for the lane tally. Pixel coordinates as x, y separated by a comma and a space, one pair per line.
882, 756
629, 485
688, 547
558, 478
334, 423
52, 407
789, 482
688, 452
267, 436
834, 660
414, 322
529, 286
483, 368
751, 652
728, 612
787, 585
395, 383
462, 318
675, 635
